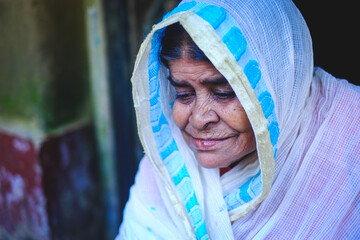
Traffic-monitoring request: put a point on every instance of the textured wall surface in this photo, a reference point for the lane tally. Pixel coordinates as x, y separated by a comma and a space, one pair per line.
43, 62
71, 183
50, 182
22, 201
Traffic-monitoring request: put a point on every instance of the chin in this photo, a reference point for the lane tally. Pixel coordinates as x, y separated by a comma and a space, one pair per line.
211, 161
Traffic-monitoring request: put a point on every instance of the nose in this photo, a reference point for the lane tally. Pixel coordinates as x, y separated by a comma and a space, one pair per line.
203, 115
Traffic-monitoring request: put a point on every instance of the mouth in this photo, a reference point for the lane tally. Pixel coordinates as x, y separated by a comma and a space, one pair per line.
208, 144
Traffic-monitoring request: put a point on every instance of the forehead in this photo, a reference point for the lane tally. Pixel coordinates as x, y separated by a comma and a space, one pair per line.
194, 70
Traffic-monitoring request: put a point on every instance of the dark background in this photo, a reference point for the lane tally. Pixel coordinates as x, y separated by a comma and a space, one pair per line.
333, 28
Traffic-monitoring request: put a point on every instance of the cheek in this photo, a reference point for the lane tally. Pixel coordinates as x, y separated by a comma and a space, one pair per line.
235, 117
180, 114
239, 121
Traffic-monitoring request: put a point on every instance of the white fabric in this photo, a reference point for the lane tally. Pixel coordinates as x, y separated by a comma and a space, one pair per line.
316, 182
240, 174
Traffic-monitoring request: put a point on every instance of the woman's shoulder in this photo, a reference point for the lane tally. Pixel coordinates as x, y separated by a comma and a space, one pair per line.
333, 83
338, 105
339, 95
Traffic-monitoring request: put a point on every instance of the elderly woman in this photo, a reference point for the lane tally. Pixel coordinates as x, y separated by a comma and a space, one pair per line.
243, 137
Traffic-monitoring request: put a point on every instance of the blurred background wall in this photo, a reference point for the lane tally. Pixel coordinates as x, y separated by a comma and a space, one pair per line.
68, 140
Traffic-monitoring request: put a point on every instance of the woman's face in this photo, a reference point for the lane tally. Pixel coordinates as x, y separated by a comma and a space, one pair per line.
211, 118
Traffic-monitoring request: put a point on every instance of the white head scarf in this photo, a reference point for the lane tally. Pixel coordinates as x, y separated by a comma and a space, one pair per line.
306, 181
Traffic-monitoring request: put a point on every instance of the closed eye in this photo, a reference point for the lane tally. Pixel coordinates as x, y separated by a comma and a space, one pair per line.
185, 97
224, 95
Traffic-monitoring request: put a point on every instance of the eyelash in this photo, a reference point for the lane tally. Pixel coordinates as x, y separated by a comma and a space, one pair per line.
186, 97
224, 95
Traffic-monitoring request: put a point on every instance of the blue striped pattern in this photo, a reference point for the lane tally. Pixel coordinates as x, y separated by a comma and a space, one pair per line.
236, 43
245, 193
167, 147
232, 36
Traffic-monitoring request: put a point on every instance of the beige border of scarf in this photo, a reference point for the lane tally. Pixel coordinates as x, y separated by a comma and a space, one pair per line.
211, 44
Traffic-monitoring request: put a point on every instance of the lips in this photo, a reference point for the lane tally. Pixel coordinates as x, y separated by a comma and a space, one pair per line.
208, 144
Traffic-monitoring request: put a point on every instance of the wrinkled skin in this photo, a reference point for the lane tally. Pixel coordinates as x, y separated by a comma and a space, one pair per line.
209, 115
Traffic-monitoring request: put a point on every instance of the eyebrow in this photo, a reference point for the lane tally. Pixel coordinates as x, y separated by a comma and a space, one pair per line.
213, 82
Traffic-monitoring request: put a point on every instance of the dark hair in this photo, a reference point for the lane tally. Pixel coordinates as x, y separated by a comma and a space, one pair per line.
177, 44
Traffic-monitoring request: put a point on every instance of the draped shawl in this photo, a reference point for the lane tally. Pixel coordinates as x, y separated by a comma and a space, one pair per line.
306, 123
